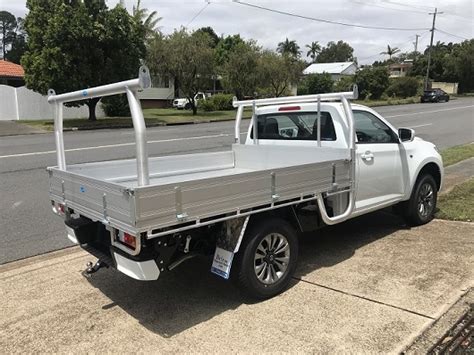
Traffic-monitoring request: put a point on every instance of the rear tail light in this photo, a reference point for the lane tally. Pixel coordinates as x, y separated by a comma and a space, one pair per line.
127, 239
58, 208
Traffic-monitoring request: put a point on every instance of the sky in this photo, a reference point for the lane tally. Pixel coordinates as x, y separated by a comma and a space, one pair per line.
270, 28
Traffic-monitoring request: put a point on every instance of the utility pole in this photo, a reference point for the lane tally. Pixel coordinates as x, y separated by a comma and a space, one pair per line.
416, 44
431, 45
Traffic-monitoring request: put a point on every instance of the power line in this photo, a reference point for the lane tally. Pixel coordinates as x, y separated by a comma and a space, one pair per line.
389, 8
400, 45
208, 2
450, 34
327, 21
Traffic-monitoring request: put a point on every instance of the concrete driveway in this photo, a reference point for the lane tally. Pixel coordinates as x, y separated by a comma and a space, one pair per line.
369, 285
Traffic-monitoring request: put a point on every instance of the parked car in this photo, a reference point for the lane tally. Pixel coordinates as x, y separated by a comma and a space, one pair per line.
185, 104
434, 95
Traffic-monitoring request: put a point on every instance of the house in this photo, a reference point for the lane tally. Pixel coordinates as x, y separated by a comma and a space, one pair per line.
11, 74
160, 94
399, 70
337, 70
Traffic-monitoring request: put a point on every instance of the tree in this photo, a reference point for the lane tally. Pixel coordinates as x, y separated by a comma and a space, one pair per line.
239, 72
313, 50
451, 62
148, 20
187, 57
289, 47
77, 44
8, 25
372, 82
16, 39
316, 84
212, 34
390, 51
225, 46
336, 52
279, 72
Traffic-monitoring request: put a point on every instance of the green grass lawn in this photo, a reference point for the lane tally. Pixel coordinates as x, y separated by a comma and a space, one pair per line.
165, 116
458, 204
153, 117
458, 153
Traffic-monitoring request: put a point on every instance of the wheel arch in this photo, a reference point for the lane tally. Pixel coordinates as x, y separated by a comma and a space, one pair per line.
432, 169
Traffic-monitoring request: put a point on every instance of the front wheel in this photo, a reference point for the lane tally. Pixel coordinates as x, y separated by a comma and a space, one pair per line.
267, 259
422, 203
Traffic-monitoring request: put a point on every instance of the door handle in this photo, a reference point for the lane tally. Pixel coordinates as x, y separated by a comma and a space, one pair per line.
368, 156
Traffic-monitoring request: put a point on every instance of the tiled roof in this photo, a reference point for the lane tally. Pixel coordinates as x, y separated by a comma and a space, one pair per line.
11, 69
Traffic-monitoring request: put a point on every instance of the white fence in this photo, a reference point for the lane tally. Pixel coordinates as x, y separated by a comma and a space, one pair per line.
25, 104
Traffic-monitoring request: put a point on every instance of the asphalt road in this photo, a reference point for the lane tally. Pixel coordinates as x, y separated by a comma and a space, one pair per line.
28, 225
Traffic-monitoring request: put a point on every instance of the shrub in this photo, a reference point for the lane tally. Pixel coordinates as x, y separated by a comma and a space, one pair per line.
315, 84
344, 84
218, 102
206, 105
372, 82
222, 102
116, 106
403, 87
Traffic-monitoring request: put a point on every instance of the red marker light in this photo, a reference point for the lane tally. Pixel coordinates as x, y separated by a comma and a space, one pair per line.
289, 108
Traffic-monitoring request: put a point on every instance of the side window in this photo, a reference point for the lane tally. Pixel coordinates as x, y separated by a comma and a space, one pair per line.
295, 126
370, 129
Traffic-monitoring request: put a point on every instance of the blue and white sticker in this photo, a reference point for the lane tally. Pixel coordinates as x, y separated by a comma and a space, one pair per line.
222, 262
82, 188
84, 93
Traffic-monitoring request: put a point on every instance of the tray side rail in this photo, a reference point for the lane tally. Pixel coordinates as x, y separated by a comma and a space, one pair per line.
172, 208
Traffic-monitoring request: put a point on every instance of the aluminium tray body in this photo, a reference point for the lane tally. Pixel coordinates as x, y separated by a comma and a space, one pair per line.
198, 187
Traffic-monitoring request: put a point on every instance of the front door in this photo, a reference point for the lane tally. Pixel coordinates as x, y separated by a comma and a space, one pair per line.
379, 168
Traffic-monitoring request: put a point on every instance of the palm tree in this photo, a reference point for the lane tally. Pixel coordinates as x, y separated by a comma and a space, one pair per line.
289, 47
149, 20
391, 51
314, 49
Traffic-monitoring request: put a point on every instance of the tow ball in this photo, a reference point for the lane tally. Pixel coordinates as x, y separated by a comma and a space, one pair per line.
93, 268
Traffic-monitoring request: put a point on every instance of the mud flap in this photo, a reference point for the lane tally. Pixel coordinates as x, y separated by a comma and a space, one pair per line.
228, 243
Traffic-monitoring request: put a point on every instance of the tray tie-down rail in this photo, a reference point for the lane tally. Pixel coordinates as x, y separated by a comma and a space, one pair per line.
129, 87
344, 97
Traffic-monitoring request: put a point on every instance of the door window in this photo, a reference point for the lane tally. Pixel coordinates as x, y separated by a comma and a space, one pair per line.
370, 129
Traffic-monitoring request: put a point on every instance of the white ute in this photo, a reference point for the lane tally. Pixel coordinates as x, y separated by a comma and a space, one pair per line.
184, 103
314, 160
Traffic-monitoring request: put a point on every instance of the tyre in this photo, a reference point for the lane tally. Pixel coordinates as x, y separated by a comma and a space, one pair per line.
422, 204
267, 259
187, 106
447, 99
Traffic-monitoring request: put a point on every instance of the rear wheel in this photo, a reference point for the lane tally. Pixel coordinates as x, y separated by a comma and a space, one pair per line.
422, 204
267, 259
187, 106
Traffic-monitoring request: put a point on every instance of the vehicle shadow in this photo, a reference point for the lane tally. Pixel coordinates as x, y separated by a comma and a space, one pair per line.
191, 295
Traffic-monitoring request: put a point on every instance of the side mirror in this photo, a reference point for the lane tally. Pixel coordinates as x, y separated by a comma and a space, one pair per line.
406, 134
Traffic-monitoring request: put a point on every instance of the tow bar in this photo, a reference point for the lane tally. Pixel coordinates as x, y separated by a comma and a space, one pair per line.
93, 268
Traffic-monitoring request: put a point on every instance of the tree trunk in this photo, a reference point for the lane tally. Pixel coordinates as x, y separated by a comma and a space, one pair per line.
92, 103
194, 107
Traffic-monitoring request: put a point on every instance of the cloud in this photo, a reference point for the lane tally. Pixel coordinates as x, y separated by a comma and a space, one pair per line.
228, 17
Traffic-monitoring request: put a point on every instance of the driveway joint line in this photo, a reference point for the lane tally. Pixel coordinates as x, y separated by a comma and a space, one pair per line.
366, 298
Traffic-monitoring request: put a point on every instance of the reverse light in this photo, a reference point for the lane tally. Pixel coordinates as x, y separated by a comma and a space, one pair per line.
290, 108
